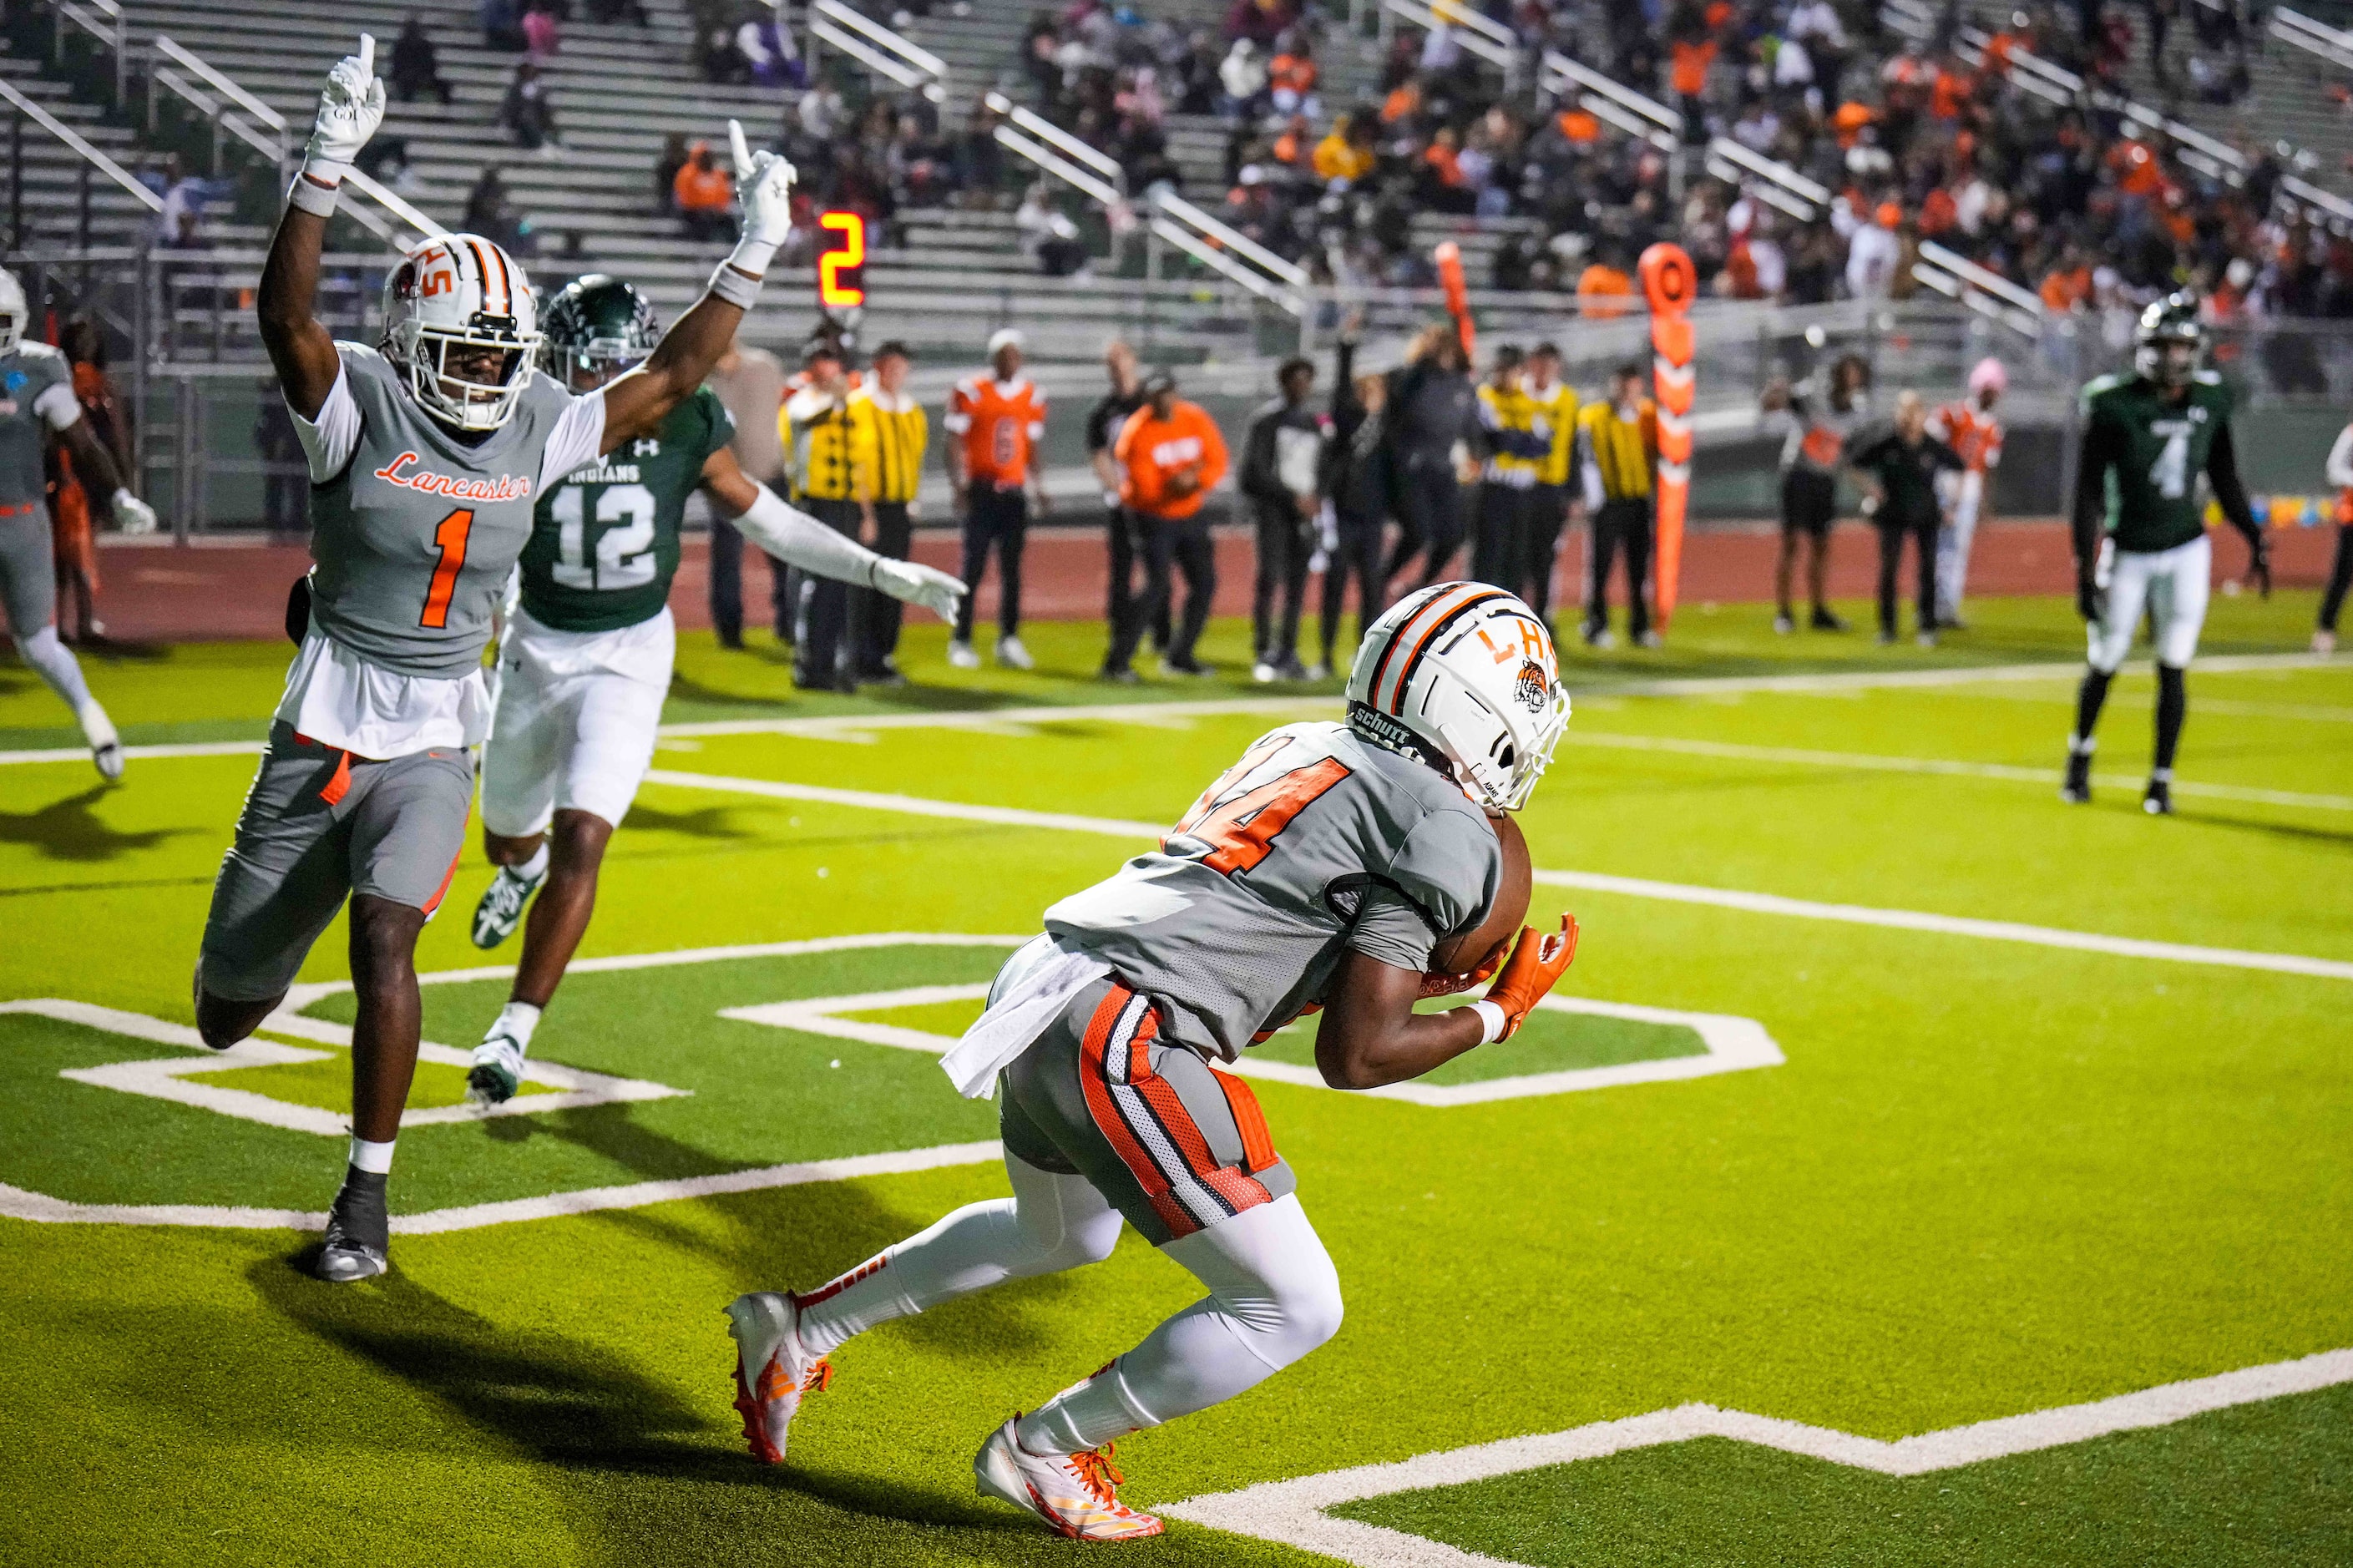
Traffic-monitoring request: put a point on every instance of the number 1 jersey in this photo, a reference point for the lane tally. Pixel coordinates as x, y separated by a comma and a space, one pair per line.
1315, 843
603, 540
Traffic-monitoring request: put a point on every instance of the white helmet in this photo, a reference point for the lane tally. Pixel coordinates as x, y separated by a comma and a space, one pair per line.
12, 312
1465, 676
460, 291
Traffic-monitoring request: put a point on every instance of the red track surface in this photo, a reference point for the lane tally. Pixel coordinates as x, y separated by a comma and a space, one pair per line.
156, 593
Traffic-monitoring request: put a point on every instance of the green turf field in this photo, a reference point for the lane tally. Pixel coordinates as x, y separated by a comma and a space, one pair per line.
1817, 1160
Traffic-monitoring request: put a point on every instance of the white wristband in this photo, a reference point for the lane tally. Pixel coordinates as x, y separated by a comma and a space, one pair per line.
306, 195
734, 288
752, 256
1492, 1020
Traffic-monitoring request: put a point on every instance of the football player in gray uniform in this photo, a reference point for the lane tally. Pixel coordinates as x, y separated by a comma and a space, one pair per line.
427, 454
1322, 869
36, 396
586, 658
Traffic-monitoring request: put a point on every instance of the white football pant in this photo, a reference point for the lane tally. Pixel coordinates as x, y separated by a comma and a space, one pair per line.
575, 721
1965, 494
2172, 585
1273, 1297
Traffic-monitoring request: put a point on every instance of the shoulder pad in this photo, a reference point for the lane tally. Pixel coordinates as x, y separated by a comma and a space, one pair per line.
32, 348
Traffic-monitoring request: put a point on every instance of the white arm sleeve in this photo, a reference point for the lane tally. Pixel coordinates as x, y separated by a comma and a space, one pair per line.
796, 539
330, 440
57, 405
2340, 459
577, 439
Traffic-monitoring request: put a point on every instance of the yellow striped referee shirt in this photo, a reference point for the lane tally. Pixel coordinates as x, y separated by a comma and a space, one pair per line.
1621, 450
901, 432
828, 444
1558, 405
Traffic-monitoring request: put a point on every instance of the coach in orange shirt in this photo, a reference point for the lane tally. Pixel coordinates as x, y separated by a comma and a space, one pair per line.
997, 421
1170, 456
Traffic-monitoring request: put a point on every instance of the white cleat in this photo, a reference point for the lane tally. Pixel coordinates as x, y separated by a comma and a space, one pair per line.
105, 745
497, 1072
962, 657
1075, 1494
501, 910
1013, 656
772, 1369
2324, 642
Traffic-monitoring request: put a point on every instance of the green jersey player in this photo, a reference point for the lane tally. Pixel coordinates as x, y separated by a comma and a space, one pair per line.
2140, 530
586, 660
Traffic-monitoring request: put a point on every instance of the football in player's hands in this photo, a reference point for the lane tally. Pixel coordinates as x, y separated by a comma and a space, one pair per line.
1460, 954
1536, 964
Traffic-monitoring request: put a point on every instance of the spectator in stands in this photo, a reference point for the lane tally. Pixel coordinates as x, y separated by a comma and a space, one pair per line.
979, 159
667, 164
1617, 452
1261, 22
705, 195
611, 11
751, 384
502, 27
1050, 234
1345, 156
177, 226
1242, 82
822, 114
417, 64
770, 54
528, 114
1291, 78
1171, 455
1872, 252
1604, 289
491, 212
543, 35
1282, 474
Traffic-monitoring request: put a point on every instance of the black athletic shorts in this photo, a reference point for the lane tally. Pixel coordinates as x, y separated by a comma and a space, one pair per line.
1808, 501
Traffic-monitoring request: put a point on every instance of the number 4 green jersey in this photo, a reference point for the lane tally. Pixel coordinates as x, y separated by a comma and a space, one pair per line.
2143, 456
603, 540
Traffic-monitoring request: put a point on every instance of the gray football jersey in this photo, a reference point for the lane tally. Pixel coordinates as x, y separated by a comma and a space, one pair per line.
32, 370
1314, 843
414, 538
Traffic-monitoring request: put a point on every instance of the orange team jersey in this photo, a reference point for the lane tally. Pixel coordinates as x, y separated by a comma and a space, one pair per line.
1971, 432
1151, 450
1000, 423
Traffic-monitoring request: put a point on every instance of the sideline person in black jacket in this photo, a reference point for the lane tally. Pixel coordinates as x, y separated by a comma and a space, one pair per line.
1901, 470
1282, 463
1434, 439
1356, 479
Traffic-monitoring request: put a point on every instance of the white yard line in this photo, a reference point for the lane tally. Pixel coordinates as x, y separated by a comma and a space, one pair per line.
1294, 1513
2047, 777
15, 1203
1631, 887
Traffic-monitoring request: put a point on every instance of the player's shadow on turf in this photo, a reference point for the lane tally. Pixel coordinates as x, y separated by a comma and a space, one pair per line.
710, 821
2323, 836
69, 829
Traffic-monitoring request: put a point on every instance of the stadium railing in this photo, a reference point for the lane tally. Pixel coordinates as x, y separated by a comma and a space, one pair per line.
2329, 43
1480, 36
1612, 102
877, 47
93, 161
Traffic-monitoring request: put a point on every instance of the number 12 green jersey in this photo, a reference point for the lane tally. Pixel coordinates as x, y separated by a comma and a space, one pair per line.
604, 540
2144, 455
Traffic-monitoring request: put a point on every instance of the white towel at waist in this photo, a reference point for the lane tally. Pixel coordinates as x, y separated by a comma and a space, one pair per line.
1036, 984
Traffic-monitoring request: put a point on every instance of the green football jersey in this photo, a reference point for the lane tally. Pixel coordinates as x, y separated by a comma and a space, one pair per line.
2151, 454
603, 540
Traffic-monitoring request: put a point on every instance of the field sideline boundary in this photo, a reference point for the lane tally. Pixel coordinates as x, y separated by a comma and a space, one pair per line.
850, 726
1293, 1513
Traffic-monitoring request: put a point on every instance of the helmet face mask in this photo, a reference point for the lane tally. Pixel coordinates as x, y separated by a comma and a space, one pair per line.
596, 328
454, 294
1462, 676
2170, 344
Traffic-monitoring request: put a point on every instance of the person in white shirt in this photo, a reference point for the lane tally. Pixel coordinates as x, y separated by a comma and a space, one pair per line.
426, 458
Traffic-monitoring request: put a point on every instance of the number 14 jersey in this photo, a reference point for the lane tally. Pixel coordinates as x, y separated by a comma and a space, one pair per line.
1317, 842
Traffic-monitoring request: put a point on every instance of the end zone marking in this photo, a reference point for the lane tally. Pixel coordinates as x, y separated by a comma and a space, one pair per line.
1293, 1513
1732, 1045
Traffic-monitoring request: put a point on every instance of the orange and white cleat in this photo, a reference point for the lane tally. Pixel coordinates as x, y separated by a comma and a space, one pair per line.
1075, 1494
772, 1369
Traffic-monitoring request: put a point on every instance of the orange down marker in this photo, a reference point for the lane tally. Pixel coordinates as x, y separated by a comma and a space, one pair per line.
1670, 283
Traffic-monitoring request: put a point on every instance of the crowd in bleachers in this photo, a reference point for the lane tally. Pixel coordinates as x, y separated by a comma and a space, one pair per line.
1915, 145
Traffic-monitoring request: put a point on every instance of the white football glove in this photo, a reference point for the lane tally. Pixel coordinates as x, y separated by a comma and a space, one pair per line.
133, 515
351, 107
763, 184
915, 583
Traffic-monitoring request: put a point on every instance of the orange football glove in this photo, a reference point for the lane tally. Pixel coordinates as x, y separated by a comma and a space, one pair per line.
1448, 984
1535, 964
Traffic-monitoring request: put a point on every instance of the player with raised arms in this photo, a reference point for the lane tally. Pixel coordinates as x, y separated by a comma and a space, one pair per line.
427, 455
37, 401
585, 662
2140, 527
1355, 866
